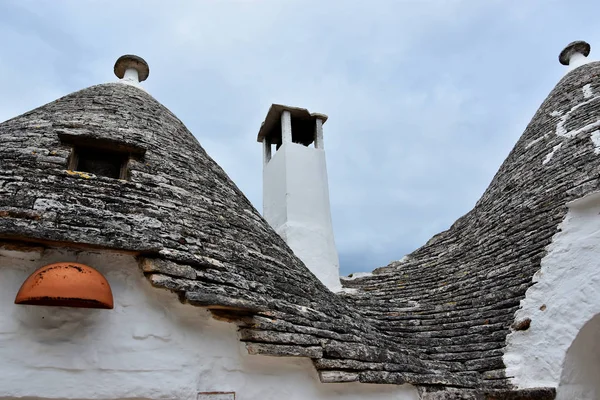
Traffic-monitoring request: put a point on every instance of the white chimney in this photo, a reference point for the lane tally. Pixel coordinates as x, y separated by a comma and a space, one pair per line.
131, 70
295, 188
575, 55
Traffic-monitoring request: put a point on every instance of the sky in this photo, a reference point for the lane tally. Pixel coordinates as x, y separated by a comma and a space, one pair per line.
425, 98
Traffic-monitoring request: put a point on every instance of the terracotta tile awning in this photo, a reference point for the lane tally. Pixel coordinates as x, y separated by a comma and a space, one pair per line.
66, 284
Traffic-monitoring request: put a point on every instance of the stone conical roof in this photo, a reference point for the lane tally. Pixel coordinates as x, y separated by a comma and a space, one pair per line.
192, 229
455, 298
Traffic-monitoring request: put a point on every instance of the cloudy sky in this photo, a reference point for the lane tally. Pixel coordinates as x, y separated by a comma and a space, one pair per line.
425, 98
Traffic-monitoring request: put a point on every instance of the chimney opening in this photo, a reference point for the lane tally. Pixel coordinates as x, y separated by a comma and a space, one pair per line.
303, 131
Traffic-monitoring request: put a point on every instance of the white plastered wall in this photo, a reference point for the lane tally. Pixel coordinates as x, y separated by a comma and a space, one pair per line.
565, 296
581, 370
296, 205
150, 346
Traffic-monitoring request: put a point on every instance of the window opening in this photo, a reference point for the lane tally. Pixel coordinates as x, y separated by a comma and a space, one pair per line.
100, 162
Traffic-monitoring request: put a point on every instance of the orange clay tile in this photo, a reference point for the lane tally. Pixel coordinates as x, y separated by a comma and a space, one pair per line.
66, 284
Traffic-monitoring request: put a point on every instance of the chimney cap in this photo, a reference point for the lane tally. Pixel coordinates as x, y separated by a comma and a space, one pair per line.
131, 61
271, 126
578, 46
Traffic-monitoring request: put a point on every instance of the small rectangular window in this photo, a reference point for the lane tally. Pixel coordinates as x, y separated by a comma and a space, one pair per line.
101, 157
100, 162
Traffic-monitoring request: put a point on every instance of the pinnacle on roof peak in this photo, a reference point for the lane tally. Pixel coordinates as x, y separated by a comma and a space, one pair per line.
576, 49
132, 68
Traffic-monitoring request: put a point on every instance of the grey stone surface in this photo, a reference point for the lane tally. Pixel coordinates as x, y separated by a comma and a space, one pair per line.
278, 350
438, 320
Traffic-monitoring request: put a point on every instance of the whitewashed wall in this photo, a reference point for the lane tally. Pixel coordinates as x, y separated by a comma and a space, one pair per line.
150, 346
565, 297
581, 370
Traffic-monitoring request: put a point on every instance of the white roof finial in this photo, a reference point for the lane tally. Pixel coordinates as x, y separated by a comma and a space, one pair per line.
575, 54
131, 69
